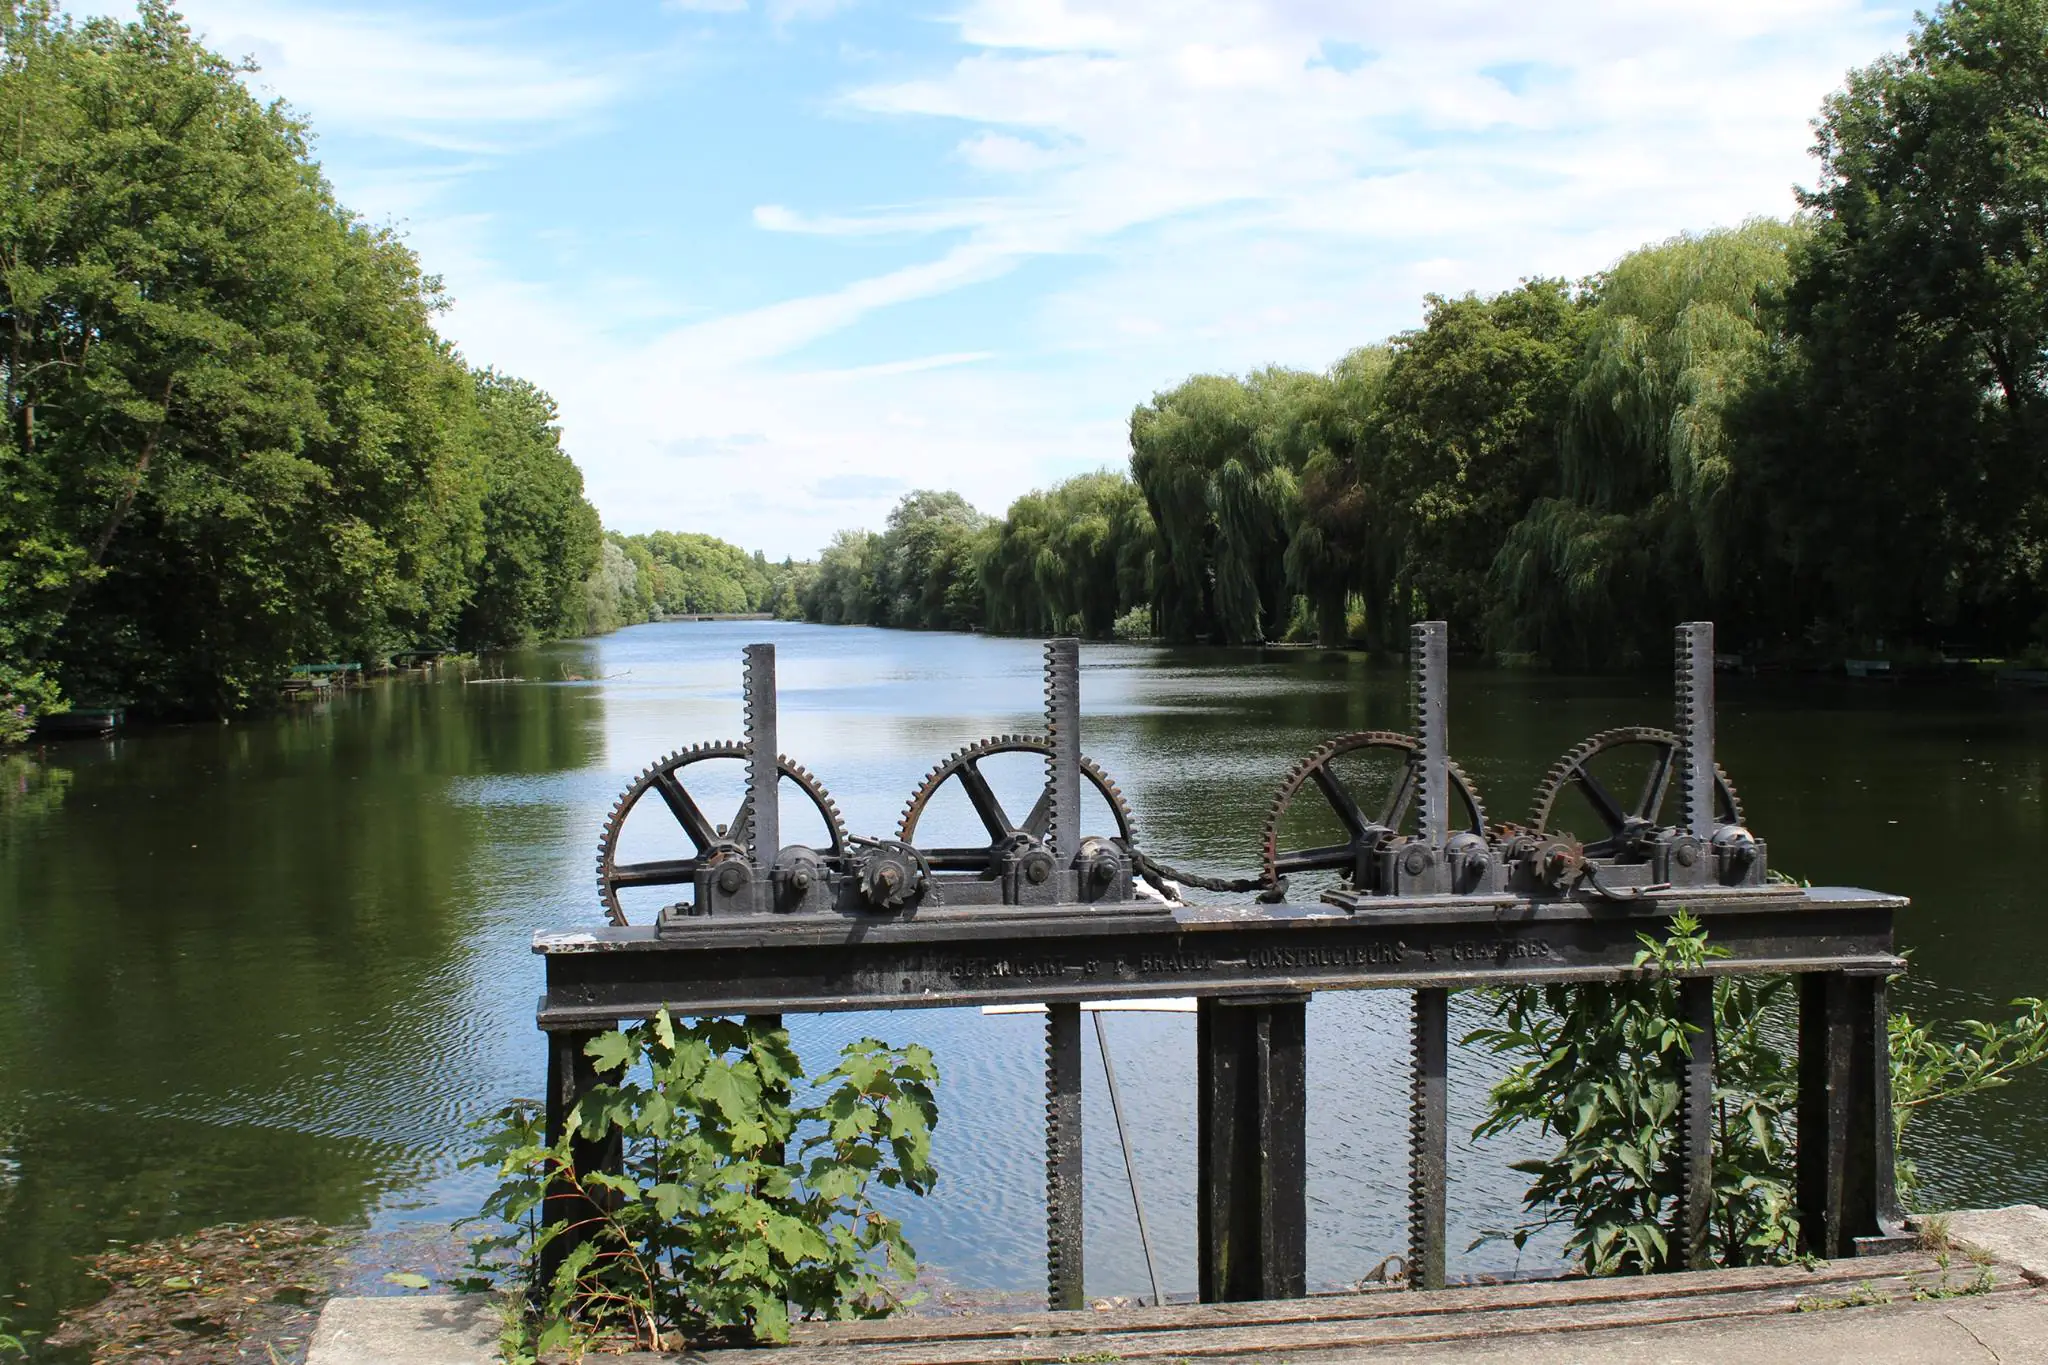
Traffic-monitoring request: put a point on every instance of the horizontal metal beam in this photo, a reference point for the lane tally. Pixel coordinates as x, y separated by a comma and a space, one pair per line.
769, 966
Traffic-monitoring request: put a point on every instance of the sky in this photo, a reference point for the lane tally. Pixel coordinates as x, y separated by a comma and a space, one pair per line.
781, 261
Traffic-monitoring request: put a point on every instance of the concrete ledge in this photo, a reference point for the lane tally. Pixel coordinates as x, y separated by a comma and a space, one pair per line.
2017, 1235
425, 1329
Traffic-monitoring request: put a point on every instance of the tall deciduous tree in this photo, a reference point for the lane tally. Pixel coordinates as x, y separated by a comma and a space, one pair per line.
1915, 503
232, 439
1475, 405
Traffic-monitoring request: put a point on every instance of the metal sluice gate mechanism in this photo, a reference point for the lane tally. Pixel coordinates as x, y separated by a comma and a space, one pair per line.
1397, 878
1408, 823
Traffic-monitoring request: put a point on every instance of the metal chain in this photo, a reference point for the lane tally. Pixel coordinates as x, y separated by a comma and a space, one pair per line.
1154, 871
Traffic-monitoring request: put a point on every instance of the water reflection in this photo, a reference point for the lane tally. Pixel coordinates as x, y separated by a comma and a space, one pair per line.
270, 968
242, 968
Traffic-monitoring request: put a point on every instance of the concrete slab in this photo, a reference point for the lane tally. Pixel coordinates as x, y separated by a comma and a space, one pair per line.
2010, 1328
2017, 1235
423, 1329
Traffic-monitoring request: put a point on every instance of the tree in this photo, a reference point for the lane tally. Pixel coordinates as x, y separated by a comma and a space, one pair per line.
1912, 499
928, 576
845, 591
1645, 530
541, 539
1071, 558
1349, 532
1475, 403
230, 426
1223, 496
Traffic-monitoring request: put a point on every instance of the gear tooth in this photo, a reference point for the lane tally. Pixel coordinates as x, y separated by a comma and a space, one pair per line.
1734, 796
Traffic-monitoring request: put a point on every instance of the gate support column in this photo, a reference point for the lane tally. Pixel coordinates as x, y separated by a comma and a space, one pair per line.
1848, 1198
571, 1075
1252, 1179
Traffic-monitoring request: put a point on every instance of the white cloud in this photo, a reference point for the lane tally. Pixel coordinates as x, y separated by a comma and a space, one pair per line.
449, 86
1232, 183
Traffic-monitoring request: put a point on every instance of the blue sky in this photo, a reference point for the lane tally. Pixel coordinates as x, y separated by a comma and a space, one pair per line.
781, 260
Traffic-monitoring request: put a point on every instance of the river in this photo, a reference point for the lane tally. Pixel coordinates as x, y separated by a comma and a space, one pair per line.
273, 967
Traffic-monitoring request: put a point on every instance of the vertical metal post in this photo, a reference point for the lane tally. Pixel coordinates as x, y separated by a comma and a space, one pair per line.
1694, 670
1063, 728
1251, 1193
1696, 1125
1063, 1264
571, 1075
1428, 1138
1878, 1064
1123, 1142
1846, 1183
1430, 666
764, 808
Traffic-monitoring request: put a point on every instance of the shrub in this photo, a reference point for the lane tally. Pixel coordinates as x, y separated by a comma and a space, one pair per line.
710, 1228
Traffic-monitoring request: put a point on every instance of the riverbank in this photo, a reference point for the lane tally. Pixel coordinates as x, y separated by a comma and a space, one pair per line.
1974, 1290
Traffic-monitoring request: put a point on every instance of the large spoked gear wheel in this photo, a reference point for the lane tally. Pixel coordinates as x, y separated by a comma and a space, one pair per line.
711, 841
1004, 832
1624, 823
1368, 820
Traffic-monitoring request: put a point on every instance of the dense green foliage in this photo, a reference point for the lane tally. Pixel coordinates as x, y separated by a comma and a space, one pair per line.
1598, 1069
924, 570
232, 439
693, 574
1925, 1069
1827, 434
710, 1226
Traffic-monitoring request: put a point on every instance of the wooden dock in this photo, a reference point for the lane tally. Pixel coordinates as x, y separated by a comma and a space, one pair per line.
1552, 1320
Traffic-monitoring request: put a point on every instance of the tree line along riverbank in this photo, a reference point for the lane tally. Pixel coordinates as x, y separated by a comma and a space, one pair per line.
234, 440
1826, 433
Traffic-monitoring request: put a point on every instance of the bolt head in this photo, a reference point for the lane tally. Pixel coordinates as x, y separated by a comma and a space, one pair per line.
801, 879
1036, 871
1686, 854
731, 877
1415, 860
1105, 871
887, 876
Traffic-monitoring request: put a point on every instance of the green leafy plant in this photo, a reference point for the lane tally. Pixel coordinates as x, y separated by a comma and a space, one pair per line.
1926, 1070
1600, 1071
1602, 1074
731, 1206
10, 1345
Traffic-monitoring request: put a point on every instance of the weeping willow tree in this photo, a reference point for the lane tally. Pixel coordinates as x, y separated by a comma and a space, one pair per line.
1347, 537
1073, 557
1216, 463
1643, 531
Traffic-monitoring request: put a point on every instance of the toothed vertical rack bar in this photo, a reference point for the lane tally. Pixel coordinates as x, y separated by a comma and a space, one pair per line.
1428, 1138
1696, 1124
1428, 660
1063, 1287
1695, 677
764, 822
1063, 728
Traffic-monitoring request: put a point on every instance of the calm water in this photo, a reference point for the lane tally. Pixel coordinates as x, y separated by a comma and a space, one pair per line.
272, 967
